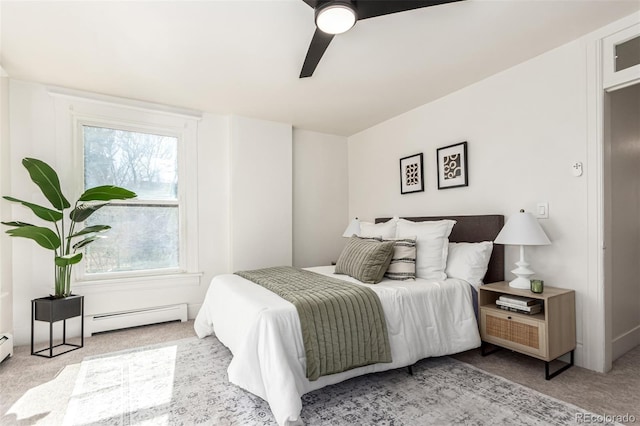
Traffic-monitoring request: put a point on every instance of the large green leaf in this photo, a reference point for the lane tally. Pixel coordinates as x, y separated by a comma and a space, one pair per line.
84, 210
17, 224
42, 212
47, 179
106, 193
69, 259
86, 241
43, 236
91, 230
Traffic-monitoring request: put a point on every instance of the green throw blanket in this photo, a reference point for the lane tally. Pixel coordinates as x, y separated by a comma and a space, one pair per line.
343, 325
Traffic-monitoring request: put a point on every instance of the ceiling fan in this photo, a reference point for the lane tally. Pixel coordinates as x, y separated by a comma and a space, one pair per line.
338, 16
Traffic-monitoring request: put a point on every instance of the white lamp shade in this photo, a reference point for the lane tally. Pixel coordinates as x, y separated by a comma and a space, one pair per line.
522, 229
353, 228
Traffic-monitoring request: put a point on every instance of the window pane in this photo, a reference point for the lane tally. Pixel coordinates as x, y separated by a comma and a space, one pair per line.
141, 237
144, 163
628, 54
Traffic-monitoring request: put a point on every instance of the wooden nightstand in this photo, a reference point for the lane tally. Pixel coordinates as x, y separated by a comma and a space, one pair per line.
546, 335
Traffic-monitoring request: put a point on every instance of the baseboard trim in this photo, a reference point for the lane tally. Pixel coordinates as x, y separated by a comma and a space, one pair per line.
193, 309
625, 342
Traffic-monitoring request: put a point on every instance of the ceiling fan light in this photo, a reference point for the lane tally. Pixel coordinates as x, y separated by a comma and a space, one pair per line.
335, 17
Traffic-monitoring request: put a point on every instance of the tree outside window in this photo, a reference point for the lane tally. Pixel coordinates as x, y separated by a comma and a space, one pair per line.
145, 232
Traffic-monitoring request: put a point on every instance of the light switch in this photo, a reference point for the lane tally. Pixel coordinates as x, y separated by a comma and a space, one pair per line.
542, 210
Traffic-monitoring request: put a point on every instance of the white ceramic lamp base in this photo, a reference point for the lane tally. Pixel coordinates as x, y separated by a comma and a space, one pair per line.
520, 282
522, 273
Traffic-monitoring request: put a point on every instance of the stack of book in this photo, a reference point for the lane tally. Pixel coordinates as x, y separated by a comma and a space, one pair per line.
524, 305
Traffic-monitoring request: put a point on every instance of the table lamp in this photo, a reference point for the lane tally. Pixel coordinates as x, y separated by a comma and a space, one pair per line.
522, 229
352, 228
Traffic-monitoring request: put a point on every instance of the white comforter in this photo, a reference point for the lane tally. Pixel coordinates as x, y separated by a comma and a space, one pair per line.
262, 330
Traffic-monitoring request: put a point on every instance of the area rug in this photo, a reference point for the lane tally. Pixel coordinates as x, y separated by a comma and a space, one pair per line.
185, 382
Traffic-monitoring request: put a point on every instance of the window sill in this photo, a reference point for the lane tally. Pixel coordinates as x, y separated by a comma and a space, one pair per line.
137, 283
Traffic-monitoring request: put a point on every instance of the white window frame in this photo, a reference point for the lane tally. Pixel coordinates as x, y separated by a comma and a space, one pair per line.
80, 122
612, 79
73, 112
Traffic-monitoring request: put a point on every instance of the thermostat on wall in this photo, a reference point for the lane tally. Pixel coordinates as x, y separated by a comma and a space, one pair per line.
576, 168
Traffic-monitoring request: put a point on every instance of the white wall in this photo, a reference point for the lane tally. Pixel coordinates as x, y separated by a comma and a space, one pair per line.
624, 113
32, 133
261, 194
213, 198
320, 197
524, 127
6, 313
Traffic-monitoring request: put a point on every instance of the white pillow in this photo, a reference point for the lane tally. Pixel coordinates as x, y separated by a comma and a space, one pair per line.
469, 261
432, 245
379, 230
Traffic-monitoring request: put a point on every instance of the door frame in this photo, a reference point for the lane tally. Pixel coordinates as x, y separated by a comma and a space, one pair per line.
597, 307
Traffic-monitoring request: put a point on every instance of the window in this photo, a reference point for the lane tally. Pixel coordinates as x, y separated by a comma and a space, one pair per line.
627, 54
148, 148
621, 58
145, 234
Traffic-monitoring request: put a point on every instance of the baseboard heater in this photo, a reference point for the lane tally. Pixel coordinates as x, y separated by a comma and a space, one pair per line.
6, 346
134, 318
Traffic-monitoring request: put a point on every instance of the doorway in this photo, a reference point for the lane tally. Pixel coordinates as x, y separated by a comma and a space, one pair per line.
622, 217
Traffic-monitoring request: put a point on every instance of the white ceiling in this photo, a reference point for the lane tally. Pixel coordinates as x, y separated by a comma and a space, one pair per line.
244, 57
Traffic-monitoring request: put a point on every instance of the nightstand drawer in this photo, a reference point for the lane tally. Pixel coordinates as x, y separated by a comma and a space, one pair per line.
513, 330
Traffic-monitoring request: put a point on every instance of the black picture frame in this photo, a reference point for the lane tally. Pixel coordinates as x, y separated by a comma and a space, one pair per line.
411, 174
452, 165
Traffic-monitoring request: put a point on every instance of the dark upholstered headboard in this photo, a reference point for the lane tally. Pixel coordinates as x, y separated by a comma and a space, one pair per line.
474, 229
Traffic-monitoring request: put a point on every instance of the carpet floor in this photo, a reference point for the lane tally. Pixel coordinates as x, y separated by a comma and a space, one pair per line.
184, 382
35, 391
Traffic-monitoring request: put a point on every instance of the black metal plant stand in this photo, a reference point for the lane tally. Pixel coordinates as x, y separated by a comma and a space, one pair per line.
51, 310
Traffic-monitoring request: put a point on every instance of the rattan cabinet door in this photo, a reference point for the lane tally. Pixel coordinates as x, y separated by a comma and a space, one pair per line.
514, 331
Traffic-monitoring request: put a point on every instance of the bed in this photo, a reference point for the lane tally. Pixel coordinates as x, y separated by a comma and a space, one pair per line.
424, 318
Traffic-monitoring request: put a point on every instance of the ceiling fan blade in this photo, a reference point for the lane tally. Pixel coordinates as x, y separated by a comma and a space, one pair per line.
373, 8
312, 3
319, 44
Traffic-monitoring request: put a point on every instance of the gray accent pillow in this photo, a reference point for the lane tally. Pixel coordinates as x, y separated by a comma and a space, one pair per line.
403, 261
365, 260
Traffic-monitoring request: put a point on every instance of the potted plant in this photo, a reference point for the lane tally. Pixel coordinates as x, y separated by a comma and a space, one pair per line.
62, 237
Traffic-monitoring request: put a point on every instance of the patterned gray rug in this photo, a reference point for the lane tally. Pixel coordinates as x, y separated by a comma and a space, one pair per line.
185, 382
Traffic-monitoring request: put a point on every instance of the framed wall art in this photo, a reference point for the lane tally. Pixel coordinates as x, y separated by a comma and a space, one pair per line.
411, 174
452, 166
